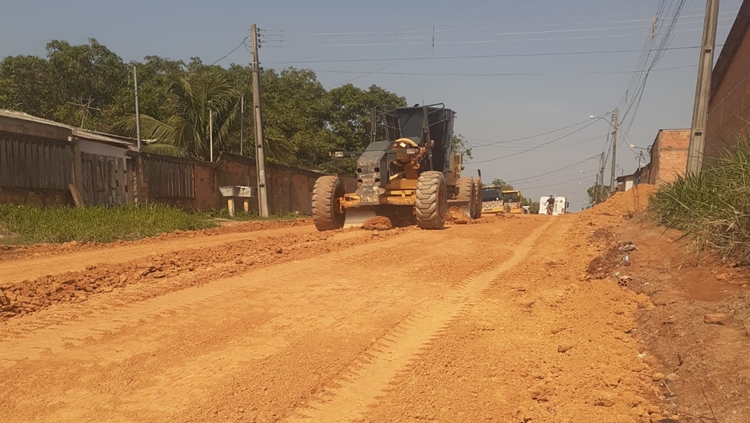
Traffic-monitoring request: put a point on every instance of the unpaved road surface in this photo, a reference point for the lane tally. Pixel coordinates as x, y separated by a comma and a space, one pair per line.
488, 322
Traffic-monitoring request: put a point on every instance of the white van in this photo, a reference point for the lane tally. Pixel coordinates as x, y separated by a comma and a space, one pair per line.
561, 206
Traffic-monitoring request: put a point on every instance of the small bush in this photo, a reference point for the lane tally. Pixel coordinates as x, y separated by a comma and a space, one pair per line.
28, 224
713, 206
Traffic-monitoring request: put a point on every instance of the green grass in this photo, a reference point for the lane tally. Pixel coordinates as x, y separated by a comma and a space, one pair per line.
712, 207
251, 216
28, 224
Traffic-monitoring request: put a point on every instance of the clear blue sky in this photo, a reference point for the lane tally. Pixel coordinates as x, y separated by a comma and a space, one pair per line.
544, 92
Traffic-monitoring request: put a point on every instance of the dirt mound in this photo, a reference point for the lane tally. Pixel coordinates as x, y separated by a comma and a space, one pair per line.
456, 216
175, 270
13, 252
378, 223
625, 203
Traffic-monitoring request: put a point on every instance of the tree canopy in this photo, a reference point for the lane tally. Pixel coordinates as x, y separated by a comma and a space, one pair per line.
91, 87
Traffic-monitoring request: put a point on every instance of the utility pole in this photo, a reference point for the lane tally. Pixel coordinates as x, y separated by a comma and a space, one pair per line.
211, 133
703, 89
260, 158
137, 111
242, 122
614, 148
599, 179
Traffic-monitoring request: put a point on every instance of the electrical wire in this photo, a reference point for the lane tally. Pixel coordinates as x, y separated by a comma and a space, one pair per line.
587, 175
536, 147
526, 137
481, 56
550, 172
504, 38
493, 28
235, 49
493, 74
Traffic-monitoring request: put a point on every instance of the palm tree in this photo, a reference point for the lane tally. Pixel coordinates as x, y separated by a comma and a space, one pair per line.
185, 133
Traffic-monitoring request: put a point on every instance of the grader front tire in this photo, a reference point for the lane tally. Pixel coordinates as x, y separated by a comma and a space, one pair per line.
432, 200
477, 199
326, 213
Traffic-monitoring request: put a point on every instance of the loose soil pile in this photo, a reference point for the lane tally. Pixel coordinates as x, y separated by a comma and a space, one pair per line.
378, 223
458, 217
13, 252
177, 269
626, 203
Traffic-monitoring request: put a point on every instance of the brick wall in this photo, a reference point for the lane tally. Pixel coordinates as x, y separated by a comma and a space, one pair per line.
729, 107
669, 155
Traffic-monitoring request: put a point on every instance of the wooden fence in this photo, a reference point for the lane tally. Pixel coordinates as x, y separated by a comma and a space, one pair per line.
106, 181
35, 164
170, 177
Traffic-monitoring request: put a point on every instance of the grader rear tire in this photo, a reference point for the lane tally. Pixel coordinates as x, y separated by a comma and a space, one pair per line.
465, 192
325, 208
432, 200
477, 198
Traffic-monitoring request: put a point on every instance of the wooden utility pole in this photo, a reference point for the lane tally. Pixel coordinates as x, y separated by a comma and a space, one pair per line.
614, 148
703, 89
242, 122
260, 158
600, 179
137, 110
211, 133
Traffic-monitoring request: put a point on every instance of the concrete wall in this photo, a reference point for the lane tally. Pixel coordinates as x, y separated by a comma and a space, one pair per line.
669, 156
729, 107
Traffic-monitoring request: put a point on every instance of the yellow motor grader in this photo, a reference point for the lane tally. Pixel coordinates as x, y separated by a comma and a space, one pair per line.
409, 169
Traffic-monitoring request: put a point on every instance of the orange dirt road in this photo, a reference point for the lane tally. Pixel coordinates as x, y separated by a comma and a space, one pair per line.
487, 322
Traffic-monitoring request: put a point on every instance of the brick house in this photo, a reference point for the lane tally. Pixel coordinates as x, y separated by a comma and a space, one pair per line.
729, 104
668, 156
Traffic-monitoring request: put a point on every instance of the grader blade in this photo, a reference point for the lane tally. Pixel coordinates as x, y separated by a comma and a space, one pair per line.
356, 216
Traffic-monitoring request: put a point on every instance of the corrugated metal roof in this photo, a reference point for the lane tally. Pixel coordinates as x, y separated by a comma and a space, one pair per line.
74, 132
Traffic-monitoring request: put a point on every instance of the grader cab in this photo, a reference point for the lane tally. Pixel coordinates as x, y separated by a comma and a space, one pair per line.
409, 169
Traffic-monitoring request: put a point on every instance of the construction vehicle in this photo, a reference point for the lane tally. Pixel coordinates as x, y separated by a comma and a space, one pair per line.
408, 170
492, 200
512, 201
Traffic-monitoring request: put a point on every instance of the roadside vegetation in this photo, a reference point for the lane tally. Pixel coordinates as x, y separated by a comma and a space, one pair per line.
29, 224
712, 207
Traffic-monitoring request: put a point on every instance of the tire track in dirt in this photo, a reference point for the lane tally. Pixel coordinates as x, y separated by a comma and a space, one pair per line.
55, 331
255, 352
12, 271
360, 389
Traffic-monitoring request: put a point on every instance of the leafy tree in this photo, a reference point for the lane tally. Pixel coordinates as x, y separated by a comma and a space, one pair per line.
502, 184
83, 82
460, 144
597, 193
200, 97
24, 85
90, 86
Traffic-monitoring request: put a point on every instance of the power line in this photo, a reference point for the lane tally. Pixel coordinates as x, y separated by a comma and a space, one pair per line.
427, 41
587, 175
550, 172
478, 29
471, 6
538, 146
233, 50
377, 72
482, 56
428, 37
526, 137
